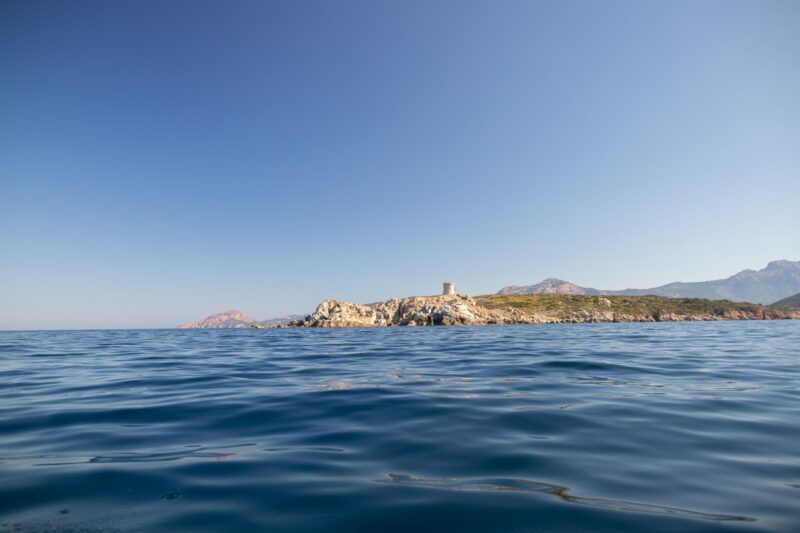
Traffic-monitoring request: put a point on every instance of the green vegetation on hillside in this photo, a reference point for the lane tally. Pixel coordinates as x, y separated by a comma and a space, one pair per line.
792, 302
562, 305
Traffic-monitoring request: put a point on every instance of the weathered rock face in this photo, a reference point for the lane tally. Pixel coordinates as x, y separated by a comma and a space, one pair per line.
445, 310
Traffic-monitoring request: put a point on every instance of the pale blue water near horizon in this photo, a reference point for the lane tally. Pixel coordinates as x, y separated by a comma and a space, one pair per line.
595, 427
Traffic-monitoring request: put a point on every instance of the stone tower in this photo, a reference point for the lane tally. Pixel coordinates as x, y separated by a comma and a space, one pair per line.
448, 287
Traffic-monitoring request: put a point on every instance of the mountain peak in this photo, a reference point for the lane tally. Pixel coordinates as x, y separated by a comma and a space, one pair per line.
234, 313
548, 286
783, 264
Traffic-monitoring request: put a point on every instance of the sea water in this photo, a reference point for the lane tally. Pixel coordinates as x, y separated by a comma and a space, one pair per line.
592, 427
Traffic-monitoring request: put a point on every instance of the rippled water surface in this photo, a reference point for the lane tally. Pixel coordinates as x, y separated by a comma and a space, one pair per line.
612, 427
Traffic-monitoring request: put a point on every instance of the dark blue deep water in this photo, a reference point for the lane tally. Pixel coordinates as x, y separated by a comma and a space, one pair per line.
616, 427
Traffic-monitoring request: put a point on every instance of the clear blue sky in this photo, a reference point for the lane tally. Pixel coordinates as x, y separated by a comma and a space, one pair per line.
164, 160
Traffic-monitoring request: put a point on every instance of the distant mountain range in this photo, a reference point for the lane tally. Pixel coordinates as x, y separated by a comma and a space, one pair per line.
236, 319
777, 280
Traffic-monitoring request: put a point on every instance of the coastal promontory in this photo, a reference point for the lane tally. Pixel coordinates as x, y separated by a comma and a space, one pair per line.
456, 309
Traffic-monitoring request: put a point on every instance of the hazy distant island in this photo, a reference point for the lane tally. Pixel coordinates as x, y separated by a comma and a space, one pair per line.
234, 319
557, 301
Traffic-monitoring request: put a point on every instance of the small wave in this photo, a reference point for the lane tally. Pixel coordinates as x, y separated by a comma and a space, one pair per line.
597, 366
562, 492
293, 449
137, 457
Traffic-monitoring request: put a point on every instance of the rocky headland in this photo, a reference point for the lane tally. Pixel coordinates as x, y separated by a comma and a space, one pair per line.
443, 310
453, 310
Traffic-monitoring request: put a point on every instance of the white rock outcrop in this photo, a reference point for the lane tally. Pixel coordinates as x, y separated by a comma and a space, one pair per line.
444, 310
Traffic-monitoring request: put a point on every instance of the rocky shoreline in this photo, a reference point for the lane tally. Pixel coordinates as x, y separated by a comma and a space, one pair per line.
457, 310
